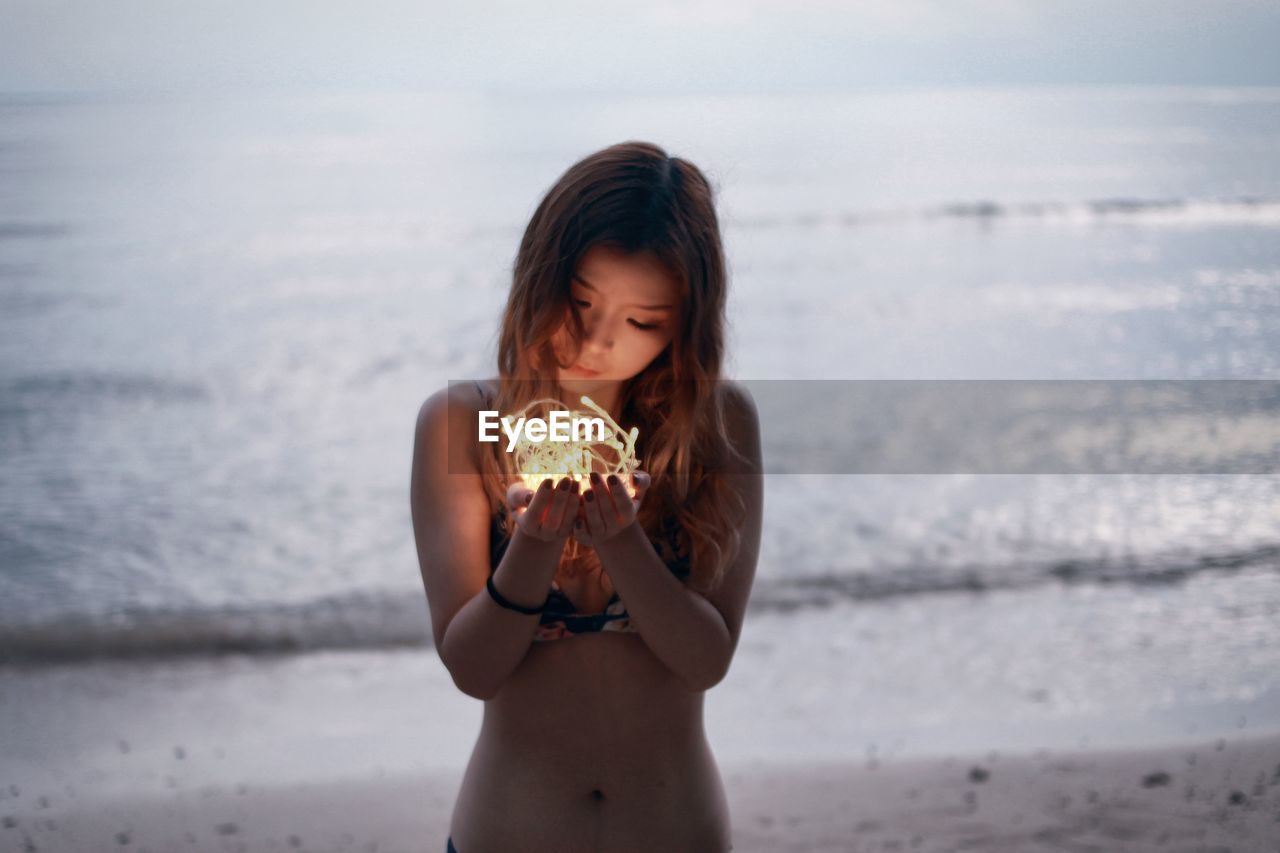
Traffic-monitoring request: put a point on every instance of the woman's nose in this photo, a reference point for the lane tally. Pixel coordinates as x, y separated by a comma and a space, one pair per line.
598, 335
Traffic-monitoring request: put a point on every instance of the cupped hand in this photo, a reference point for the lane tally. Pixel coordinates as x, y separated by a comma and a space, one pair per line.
548, 513
607, 509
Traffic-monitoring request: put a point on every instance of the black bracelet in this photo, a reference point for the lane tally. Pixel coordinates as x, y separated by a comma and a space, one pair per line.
497, 596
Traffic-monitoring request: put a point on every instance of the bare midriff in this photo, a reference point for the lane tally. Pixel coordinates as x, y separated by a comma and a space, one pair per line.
592, 746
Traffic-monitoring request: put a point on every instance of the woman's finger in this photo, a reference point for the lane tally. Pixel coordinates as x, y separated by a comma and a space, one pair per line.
641, 481
518, 497
621, 498
555, 516
604, 496
570, 511
595, 518
582, 527
541, 500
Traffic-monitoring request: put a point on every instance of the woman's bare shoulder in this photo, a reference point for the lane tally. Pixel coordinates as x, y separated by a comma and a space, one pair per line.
488, 386
451, 413
742, 425
458, 399
739, 405
737, 397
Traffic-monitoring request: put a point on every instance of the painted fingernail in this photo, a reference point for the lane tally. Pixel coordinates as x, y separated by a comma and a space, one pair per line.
546, 484
613, 480
528, 499
591, 495
564, 485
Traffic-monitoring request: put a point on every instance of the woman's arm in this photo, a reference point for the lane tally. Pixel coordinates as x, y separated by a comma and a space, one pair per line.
680, 626
479, 641
695, 635
485, 642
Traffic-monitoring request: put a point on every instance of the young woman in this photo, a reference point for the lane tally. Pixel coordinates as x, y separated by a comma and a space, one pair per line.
589, 619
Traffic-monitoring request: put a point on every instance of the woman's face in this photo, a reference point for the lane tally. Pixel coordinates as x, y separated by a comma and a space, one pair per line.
630, 310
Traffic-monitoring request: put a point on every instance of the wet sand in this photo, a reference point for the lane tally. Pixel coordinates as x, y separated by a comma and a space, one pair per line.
1202, 796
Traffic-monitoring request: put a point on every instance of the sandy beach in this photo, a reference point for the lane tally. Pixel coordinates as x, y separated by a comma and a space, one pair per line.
364, 750
1215, 796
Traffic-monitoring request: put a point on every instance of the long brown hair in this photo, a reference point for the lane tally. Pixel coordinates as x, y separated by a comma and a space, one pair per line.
634, 198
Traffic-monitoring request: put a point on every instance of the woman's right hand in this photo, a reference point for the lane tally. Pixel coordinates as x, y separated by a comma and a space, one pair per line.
547, 514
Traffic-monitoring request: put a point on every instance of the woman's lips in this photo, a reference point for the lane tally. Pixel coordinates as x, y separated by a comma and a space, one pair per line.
584, 372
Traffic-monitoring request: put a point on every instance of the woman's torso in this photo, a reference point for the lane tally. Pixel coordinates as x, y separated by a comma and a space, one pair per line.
592, 744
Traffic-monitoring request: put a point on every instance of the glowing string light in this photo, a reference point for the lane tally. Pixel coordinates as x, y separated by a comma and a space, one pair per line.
539, 460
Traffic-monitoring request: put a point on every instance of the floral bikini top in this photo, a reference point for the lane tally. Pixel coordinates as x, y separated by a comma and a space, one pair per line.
561, 619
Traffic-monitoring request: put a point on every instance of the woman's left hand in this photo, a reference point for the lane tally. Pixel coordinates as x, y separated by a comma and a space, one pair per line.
607, 509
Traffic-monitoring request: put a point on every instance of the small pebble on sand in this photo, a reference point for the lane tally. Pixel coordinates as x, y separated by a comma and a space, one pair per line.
1156, 780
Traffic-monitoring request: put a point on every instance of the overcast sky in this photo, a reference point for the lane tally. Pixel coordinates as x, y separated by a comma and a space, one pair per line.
713, 46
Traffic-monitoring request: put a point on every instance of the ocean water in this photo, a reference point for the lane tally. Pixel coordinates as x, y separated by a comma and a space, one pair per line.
218, 318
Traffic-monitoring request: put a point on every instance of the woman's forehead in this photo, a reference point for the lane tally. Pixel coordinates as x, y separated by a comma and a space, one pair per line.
640, 276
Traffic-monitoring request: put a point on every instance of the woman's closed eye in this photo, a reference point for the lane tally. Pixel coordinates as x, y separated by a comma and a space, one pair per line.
644, 327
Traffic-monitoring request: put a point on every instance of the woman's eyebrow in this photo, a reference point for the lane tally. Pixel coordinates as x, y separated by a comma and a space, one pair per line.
590, 286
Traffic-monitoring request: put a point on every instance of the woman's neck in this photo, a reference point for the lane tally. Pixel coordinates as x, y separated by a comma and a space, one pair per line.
607, 397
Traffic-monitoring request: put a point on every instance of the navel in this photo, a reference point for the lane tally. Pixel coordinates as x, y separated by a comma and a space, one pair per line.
597, 794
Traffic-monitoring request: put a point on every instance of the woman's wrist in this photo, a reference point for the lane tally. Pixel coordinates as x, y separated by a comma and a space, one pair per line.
534, 546
526, 585
504, 602
624, 538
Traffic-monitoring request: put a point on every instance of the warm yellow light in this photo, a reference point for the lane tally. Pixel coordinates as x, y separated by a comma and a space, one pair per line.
539, 460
